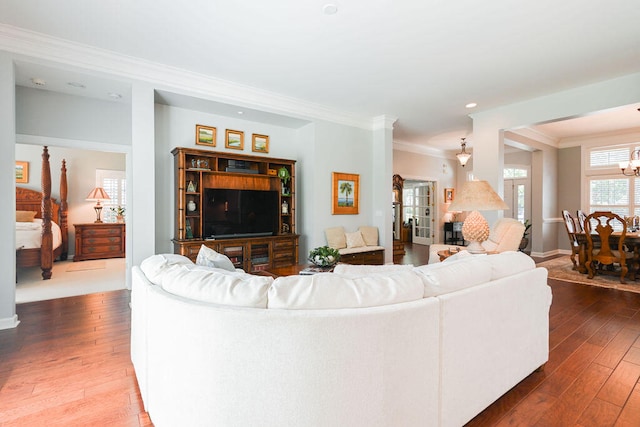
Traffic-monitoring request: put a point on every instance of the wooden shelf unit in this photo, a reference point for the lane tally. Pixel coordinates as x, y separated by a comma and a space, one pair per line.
196, 170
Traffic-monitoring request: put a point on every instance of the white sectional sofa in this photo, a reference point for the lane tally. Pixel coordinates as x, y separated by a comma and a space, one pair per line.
364, 346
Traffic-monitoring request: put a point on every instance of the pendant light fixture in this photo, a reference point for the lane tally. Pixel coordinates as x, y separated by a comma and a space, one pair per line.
463, 156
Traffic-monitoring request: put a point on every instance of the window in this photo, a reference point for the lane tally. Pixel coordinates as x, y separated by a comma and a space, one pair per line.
115, 184
512, 173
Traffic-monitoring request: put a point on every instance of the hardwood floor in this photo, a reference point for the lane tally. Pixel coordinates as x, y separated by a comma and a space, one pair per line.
68, 363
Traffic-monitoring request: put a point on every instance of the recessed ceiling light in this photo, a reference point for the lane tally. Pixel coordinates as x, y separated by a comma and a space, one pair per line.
38, 81
114, 95
471, 105
241, 112
330, 9
76, 84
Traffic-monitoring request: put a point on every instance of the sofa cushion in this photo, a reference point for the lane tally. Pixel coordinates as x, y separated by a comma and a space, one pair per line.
335, 237
331, 290
354, 240
346, 251
218, 286
370, 235
509, 263
351, 270
210, 258
445, 277
155, 266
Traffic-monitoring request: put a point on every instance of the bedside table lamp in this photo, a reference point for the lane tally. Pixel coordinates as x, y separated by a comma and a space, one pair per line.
98, 194
477, 196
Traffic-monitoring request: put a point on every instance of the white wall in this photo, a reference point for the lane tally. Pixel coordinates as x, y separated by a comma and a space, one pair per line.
81, 177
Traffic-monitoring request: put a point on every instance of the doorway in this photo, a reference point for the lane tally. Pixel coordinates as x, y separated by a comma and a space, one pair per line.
419, 206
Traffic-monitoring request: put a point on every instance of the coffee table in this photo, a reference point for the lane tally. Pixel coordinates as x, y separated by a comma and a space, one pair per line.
291, 270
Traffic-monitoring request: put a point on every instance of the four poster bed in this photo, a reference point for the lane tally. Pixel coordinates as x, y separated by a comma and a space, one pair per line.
41, 222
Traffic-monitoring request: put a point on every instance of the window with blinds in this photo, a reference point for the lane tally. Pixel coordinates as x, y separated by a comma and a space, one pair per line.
609, 157
115, 184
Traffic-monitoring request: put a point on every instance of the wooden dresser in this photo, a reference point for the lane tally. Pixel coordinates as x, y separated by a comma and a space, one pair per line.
99, 240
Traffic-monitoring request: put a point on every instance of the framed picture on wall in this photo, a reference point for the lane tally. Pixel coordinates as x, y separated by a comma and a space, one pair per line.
205, 135
234, 139
22, 172
260, 143
345, 193
448, 195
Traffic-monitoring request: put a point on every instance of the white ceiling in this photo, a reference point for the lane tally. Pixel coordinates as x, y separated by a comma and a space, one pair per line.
420, 61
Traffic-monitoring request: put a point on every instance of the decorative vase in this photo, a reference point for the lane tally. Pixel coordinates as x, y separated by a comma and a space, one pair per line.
191, 206
120, 219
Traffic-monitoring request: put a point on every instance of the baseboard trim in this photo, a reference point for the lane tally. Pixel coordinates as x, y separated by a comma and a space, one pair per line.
550, 253
9, 322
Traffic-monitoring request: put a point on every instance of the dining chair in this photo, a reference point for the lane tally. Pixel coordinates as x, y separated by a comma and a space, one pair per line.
570, 226
604, 224
580, 223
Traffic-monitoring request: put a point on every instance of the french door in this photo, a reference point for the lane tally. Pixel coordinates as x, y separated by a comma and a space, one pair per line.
424, 213
517, 195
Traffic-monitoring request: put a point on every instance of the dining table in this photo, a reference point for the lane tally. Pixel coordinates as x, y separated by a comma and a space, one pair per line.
631, 241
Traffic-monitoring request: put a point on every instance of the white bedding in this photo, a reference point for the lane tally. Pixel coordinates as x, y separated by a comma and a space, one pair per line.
29, 234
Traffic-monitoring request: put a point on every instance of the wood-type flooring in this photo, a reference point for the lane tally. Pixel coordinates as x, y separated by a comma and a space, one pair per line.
68, 363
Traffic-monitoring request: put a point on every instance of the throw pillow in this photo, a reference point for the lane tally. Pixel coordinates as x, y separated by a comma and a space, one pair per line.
370, 235
25, 216
354, 240
335, 237
156, 266
210, 258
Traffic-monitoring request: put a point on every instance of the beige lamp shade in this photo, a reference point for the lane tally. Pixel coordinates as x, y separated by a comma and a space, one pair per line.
477, 196
98, 194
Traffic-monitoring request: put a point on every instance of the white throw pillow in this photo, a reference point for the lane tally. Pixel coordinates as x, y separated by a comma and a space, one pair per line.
210, 258
370, 235
354, 240
155, 266
331, 290
335, 237
219, 287
445, 277
351, 271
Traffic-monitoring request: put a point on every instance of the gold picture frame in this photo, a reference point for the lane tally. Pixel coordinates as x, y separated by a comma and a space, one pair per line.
343, 186
22, 172
234, 139
206, 135
448, 195
259, 143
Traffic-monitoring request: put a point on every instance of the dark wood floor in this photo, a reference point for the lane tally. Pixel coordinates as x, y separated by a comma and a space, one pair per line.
68, 363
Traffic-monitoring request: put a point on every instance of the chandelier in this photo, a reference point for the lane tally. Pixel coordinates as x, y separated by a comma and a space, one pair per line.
633, 165
463, 156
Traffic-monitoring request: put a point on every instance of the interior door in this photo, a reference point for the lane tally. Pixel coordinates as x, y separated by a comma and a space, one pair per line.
517, 195
424, 213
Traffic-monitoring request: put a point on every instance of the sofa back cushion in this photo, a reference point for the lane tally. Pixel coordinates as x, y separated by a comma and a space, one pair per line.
156, 266
509, 263
331, 290
218, 286
336, 238
445, 277
352, 270
370, 235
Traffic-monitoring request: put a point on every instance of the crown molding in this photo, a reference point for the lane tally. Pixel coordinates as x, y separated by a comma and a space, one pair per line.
43, 47
421, 149
383, 122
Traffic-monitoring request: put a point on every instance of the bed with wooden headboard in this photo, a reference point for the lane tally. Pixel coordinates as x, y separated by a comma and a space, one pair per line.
49, 211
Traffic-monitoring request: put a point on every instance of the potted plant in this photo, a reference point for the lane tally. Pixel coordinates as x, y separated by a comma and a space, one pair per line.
525, 236
119, 211
285, 177
324, 256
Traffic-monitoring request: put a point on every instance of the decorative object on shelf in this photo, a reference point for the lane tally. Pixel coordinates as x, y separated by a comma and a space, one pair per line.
463, 156
191, 206
633, 164
205, 135
191, 187
188, 231
448, 195
259, 143
285, 177
119, 211
285, 228
272, 172
285, 207
345, 193
98, 194
22, 172
324, 256
477, 196
234, 139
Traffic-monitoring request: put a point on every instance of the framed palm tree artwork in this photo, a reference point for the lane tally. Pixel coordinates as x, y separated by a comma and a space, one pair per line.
345, 193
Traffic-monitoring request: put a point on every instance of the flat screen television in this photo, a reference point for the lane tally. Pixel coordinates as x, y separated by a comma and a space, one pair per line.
231, 213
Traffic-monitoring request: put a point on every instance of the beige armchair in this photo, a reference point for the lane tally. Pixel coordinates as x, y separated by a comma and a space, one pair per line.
505, 235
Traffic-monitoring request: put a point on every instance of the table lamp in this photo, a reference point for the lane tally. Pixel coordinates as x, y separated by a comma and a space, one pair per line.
476, 196
98, 194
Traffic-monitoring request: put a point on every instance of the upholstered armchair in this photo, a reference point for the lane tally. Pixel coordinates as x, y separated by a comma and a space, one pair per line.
505, 235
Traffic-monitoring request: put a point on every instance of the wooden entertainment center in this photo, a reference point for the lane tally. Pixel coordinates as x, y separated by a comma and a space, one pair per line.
198, 170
